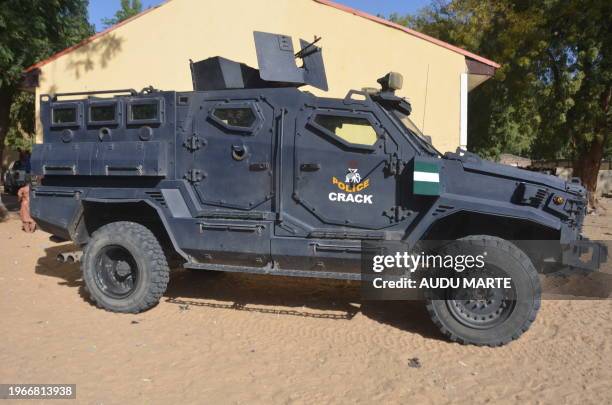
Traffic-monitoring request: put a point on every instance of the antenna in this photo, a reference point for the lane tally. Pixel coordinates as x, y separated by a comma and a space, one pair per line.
425, 103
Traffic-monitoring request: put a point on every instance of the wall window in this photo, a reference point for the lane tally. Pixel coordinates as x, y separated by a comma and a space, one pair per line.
352, 130
240, 117
65, 115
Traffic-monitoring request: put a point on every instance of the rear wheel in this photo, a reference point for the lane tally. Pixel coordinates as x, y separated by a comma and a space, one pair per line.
488, 316
125, 268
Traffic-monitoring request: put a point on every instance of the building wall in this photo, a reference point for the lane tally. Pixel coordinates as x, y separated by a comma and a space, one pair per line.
154, 49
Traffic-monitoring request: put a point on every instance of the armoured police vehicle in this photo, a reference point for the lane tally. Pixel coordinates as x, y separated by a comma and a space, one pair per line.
248, 173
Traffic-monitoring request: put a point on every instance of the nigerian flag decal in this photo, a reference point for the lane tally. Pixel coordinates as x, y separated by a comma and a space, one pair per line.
426, 177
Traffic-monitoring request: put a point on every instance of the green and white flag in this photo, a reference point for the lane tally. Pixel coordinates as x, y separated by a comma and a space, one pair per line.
426, 178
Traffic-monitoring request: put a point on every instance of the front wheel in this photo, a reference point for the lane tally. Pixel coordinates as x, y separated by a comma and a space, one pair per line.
125, 268
488, 316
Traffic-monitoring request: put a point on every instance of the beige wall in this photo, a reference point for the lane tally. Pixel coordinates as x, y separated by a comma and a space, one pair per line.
155, 48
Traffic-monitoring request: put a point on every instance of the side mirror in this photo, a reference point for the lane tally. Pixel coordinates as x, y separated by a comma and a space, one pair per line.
427, 139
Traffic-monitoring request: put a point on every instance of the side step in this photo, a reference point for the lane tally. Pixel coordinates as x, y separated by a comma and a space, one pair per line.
269, 270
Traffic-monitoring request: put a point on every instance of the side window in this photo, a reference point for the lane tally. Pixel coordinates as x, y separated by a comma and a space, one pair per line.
147, 111
65, 115
350, 130
103, 113
144, 112
237, 117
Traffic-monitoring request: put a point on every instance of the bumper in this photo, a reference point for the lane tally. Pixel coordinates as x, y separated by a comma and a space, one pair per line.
574, 253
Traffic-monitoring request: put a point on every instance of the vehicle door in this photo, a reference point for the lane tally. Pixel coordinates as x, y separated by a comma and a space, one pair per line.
343, 182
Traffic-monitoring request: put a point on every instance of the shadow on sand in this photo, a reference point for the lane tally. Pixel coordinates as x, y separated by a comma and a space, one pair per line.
10, 202
286, 296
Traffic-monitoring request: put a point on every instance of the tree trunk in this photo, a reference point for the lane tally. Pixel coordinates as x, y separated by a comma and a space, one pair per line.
587, 167
6, 99
5, 108
2, 210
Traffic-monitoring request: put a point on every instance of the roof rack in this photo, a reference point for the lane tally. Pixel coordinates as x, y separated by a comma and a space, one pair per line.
54, 97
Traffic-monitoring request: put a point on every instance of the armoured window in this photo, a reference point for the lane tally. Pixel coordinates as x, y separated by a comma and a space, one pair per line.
103, 113
144, 112
240, 117
353, 130
64, 115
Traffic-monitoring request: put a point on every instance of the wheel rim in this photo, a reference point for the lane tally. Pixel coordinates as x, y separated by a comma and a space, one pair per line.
116, 272
482, 308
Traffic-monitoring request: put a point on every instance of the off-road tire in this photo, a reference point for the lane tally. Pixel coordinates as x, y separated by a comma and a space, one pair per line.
519, 267
148, 256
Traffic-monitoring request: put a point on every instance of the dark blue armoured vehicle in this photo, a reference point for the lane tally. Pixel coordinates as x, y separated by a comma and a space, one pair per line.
249, 174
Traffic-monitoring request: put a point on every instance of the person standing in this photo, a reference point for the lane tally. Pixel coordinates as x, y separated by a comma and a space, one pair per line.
27, 223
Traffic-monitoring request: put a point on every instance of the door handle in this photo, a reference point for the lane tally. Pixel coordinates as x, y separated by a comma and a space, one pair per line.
310, 167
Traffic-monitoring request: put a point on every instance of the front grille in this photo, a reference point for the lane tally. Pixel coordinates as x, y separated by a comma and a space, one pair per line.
529, 194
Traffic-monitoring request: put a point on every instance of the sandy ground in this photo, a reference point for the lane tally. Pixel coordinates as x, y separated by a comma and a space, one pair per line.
254, 339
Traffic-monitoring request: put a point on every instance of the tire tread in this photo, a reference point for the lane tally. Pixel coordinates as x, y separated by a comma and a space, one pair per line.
514, 251
153, 254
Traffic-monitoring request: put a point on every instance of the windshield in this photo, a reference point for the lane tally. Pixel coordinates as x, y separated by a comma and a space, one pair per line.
410, 128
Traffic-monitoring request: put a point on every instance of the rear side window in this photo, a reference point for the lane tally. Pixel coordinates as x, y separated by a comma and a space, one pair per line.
103, 113
351, 130
239, 117
65, 115
144, 112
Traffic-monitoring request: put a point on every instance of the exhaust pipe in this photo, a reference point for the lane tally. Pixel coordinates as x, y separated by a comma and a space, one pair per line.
70, 257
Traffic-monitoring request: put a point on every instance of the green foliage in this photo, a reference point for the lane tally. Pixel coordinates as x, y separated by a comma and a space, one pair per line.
30, 31
550, 98
35, 29
128, 9
22, 127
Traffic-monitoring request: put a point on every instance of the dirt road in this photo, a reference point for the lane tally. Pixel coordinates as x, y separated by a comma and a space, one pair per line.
254, 339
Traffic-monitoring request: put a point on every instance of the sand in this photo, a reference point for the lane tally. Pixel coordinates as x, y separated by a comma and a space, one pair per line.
254, 339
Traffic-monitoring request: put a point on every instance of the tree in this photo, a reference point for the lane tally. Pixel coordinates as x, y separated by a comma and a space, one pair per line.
21, 117
30, 31
577, 72
128, 9
550, 98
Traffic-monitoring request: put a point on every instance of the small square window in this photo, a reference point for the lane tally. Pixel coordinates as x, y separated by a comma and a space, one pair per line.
103, 113
144, 112
64, 115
